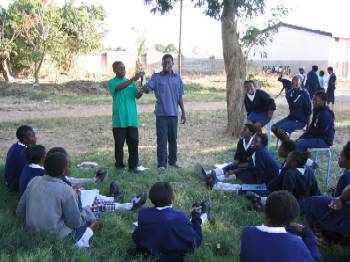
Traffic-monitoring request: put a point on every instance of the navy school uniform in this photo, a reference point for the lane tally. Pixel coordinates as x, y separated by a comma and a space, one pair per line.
167, 234
257, 109
300, 109
264, 168
28, 172
276, 183
320, 132
343, 182
286, 84
243, 153
312, 84
276, 244
15, 161
330, 88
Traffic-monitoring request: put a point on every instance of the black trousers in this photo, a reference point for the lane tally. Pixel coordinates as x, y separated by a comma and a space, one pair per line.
131, 135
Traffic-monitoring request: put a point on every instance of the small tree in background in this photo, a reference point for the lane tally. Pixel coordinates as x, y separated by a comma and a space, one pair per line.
238, 37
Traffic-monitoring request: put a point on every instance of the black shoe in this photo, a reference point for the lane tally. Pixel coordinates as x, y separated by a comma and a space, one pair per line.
135, 170
211, 179
200, 171
175, 166
139, 200
206, 210
253, 197
119, 198
119, 167
113, 189
100, 176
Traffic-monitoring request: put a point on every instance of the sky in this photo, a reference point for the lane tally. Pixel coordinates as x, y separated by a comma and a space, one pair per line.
201, 34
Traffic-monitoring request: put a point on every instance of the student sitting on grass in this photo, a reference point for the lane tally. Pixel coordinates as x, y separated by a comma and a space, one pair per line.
35, 156
50, 205
15, 160
165, 233
263, 168
320, 133
258, 104
241, 158
280, 239
330, 215
102, 204
299, 111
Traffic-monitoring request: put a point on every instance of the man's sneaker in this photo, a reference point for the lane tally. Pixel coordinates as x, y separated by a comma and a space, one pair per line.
139, 200
175, 166
211, 179
161, 170
200, 171
206, 210
100, 176
113, 189
253, 197
135, 170
119, 198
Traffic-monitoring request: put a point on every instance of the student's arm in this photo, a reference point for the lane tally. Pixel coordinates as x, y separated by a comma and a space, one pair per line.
70, 211
151, 85
310, 242
289, 181
127, 83
21, 207
183, 114
270, 102
338, 202
324, 122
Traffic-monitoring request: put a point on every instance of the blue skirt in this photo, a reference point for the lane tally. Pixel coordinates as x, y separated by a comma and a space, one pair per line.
288, 125
261, 118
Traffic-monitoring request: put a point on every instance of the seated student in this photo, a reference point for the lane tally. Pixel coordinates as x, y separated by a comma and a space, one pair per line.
50, 205
240, 160
299, 111
102, 204
280, 239
35, 156
331, 215
15, 160
258, 104
321, 131
163, 232
263, 168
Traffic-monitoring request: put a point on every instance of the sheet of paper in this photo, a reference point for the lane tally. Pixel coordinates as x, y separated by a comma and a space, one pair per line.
88, 196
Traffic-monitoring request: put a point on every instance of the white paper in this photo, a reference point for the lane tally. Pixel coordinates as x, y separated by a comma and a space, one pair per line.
221, 165
88, 196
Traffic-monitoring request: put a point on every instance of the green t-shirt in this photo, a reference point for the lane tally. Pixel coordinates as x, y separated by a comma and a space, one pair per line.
124, 103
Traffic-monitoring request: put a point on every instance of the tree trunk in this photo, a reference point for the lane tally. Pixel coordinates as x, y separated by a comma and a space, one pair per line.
235, 69
4, 68
37, 68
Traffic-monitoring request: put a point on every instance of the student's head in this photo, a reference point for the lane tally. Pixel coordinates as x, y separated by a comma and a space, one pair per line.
161, 194
167, 63
330, 70
26, 135
35, 154
286, 147
260, 140
296, 82
281, 208
248, 131
321, 73
296, 159
301, 70
319, 100
249, 87
344, 158
119, 69
58, 149
56, 165
315, 68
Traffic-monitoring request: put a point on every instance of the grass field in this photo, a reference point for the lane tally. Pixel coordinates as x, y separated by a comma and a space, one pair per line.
202, 139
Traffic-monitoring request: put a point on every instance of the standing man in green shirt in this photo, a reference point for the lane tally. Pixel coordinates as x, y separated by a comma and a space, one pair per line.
124, 117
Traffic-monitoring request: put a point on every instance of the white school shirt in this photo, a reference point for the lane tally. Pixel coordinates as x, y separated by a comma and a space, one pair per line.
251, 97
246, 146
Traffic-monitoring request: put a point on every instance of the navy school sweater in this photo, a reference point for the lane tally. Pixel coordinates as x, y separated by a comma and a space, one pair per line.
27, 174
265, 166
262, 103
312, 84
322, 126
300, 182
167, 234
343, 182
299, 103
331, 81
15, 161
276, 183
242, 155
260, 245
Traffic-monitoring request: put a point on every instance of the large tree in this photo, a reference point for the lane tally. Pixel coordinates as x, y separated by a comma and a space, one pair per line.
239, 35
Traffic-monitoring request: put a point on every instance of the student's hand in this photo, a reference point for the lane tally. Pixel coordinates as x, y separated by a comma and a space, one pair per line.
270, 113
336, 204
297, 228
78, 192
183, 118
144, 89
136, 76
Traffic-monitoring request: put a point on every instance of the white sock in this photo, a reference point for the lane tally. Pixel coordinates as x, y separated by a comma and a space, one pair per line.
220, 186
219, 172
126, 206
263, 200
220, 178
204, 218
84, 240
309, 162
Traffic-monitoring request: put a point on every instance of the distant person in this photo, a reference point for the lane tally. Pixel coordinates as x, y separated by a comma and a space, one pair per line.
331, 86
280, 239
321, 79
15, 160
165, 233
258, 104
302, 76
168, 89
286, 83
312, 83
300, 110
320, 133
124, 117
35, 156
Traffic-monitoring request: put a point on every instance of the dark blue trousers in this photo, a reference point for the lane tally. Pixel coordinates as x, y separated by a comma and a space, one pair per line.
166, 133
